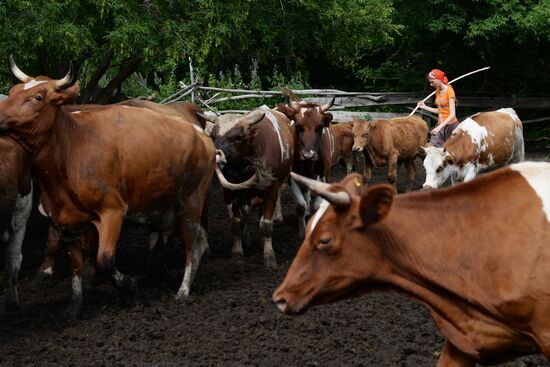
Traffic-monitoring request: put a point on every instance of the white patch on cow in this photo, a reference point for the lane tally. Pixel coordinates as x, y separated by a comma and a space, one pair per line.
476, 132
432, 163
277, 129
511, 112
48, 271
537, 174
227, 122
33, 83
42, 211
318, 214
77, 286
75, 112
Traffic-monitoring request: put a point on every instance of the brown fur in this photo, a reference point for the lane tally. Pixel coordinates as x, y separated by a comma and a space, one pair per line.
186, 110
340, 148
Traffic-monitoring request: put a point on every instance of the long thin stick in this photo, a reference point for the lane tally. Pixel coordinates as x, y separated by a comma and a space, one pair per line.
452, 81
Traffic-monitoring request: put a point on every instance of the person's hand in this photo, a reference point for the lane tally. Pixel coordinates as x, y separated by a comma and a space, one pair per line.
436, 130
420, 104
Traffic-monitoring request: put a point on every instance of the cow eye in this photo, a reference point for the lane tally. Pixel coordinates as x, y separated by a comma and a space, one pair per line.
439, 169
324, 242
38, 97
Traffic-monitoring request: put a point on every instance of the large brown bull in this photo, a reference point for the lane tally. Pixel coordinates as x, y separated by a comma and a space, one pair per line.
259, 149
95, 166
387, 142
474, 254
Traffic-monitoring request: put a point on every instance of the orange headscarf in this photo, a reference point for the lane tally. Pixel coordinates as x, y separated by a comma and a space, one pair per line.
438, 74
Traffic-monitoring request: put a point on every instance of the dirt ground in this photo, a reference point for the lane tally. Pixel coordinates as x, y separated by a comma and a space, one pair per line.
228, 321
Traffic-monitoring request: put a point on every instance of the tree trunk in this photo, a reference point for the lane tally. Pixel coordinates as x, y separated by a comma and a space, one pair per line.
86, 95
126, 69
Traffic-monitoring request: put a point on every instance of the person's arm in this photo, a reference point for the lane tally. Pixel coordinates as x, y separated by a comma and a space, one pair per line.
423, 106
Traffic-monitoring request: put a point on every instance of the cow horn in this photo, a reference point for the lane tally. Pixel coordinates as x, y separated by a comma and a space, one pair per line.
17, 72
68, 80
340, 199
251, 182
253, 118
325, 107
295, 106
210, 118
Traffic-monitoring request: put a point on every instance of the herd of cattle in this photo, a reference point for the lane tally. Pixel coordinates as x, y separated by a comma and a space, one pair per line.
475, 254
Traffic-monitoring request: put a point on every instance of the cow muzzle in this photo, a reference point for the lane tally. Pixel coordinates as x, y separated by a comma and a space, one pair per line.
356, 148
309, 155
427, 187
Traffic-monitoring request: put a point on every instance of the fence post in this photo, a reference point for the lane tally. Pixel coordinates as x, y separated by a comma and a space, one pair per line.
192, 79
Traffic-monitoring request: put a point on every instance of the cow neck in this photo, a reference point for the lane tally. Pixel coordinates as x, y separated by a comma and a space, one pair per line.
431, 250
53, 152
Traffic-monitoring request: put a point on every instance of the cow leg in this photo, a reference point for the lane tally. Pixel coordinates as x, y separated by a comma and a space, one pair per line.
302, 205
193, 236
266, 226
452, 357
77, 265
278, 216
236, 230
14, 254
392, 169
108, 227
411, 173
53, 245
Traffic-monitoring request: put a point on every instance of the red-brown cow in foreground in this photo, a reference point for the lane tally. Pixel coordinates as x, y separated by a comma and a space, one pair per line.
387, 142
94, 166
476, 255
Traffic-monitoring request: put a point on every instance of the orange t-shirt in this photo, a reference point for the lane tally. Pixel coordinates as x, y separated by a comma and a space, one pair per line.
442, 102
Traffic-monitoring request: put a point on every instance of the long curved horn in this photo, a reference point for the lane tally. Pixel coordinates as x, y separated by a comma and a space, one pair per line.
212, 119
340, 199
251, 182
325, 107
17, 72
68, 80
253, 118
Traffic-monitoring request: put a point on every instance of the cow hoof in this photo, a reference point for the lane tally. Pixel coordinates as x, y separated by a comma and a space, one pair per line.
72, 312
42, 280
270, 263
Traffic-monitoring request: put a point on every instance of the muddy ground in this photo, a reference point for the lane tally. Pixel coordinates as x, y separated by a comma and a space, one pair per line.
228, 321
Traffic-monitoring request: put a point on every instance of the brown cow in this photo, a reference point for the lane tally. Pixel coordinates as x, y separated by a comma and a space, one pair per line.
336, 145
15, 208
188, 111
474, 254
257, 146
309, 121
484, 141
387, 142
96, 165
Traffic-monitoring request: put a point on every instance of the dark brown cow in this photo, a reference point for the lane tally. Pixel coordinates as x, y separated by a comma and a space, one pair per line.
387, 142
15, 208
336, 145
259, 148
474, 254
309, 120
94, 166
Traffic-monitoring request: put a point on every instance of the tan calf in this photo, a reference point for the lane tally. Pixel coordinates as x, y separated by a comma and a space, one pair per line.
387, 142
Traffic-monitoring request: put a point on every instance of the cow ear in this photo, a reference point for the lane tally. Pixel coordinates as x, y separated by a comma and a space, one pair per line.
65, 96
327, 118
375, 203
286, 110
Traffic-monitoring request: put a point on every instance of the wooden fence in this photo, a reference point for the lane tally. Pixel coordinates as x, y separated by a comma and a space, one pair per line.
344, 100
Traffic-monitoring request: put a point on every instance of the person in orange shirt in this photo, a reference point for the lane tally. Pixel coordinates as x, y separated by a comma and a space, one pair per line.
445, 99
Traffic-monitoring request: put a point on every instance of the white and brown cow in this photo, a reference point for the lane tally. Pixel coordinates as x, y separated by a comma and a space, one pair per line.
481, 268
481, 142
387, 142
